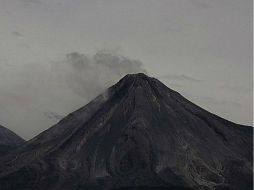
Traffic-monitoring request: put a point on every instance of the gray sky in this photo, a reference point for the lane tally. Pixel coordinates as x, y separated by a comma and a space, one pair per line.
56, 55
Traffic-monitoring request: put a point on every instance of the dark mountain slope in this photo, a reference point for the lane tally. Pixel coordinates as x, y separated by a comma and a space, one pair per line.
137, 135
8, 141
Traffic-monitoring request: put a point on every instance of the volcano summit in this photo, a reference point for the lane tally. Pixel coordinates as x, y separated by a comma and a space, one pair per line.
139, 134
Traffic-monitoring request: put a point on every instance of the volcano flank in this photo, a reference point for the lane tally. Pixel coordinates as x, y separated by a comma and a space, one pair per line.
139, 134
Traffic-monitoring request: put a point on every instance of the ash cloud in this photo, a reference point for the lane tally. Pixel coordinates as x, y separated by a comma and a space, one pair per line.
89, 75
30, 2
39, 94
201, 4
181, 78
236, 88
17, 34
53, 116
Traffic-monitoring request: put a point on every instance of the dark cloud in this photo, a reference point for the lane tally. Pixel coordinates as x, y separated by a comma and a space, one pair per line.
200, 3
180, 78
24, 45
215, 101
236, 88
17, 34
53, 116
32, 2
90, 75
175, 85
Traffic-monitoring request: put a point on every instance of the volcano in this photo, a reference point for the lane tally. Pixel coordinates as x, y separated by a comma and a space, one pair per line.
139, 134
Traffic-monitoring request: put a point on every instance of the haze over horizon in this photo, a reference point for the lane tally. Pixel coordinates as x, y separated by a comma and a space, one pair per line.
57, 55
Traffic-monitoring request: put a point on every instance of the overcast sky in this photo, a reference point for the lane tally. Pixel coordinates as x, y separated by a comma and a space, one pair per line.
57, 55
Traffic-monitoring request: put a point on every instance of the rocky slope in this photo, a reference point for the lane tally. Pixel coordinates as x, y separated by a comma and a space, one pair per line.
8, 141
139, 134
